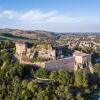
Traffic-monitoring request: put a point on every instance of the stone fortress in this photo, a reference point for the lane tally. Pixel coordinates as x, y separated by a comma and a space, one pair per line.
55, 57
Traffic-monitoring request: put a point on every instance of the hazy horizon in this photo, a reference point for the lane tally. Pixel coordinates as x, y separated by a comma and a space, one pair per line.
47, 30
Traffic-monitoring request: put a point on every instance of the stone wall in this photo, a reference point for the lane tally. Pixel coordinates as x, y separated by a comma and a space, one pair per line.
20, 48
65, 63
49, 54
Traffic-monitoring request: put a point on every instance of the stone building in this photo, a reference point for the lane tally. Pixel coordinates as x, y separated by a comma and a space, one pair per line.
58, 57
46, 51
20, 48
82, 60
24, 50
43, 51
78, 60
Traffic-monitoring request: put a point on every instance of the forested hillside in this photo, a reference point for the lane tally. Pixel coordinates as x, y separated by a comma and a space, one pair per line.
26, 35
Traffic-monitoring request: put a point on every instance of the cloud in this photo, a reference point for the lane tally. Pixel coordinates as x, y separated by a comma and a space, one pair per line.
51, 20
37, 16
7, 14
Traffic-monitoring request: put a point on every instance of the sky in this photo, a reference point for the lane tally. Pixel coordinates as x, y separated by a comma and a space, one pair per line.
51, 15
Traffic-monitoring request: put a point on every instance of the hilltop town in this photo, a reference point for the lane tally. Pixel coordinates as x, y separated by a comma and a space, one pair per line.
39, 65
54, 51
52, 58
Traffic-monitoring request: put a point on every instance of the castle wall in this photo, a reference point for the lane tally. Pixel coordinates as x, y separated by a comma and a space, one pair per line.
66, 63
71, 63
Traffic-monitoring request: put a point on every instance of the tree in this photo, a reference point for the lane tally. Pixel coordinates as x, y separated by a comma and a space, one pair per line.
84, 80
32, 86
78, 78
41, 73
79, 97
96, 68
42, 95
54, 75
81, 79
63, 77
24, 84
